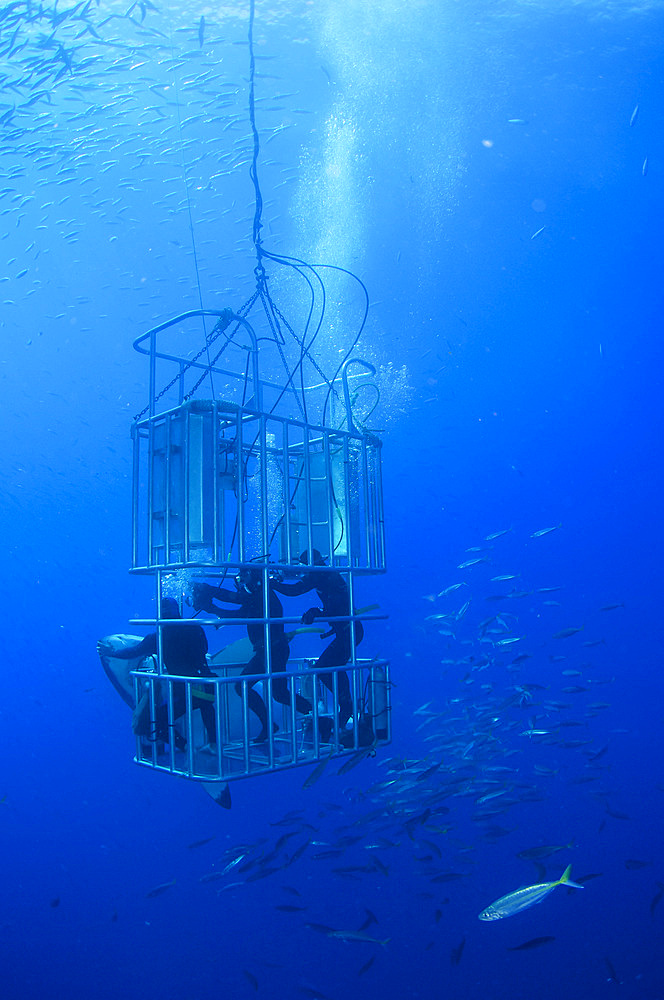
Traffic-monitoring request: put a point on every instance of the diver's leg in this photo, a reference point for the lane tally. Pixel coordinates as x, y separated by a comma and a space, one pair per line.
256, 704
209, 718
162, 731
280, 692
335, 655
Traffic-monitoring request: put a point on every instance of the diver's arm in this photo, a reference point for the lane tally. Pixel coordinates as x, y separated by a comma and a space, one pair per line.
310, 616
229, 596
204, 595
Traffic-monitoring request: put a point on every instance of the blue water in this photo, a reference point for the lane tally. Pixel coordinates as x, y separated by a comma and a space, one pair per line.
475, 164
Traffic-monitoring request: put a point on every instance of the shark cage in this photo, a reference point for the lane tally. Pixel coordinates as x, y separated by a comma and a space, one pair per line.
243, 504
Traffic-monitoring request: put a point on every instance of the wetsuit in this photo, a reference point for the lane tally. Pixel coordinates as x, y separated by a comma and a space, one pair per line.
333, 594
184, 648
250, 605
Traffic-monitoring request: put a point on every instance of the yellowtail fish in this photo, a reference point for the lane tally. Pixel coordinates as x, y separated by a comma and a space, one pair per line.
317, 772
496, 534
521, 899
565, 633
356, 759
544, 851
533, 943
357, 936
543, 531
158, 889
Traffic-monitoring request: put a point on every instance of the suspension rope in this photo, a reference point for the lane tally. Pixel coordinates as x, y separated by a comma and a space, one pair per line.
253, 169
189, 212
275, 318
259, 270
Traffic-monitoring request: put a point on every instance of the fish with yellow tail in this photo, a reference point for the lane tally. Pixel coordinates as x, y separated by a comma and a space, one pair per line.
521, 899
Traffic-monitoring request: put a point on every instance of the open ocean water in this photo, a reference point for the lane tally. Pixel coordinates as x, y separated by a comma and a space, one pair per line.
493, 171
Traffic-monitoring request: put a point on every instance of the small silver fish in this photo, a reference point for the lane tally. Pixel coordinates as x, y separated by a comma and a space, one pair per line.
357, 936
317, 772
544, 531
158, 889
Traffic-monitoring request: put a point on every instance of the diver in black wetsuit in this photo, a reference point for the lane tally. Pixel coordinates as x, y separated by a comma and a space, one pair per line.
332, 590
183, 648
249, 598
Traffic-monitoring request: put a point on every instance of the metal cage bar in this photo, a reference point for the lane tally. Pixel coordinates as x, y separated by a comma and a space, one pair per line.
292, 745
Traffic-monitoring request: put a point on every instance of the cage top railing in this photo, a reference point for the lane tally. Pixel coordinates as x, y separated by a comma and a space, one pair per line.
225, 317
148, 345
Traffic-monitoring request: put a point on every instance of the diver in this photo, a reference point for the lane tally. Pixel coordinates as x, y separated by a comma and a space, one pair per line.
334, 596
183, 648
249, 598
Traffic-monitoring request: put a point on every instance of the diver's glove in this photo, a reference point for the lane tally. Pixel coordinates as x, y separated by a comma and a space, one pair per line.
201, 597
310, 616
